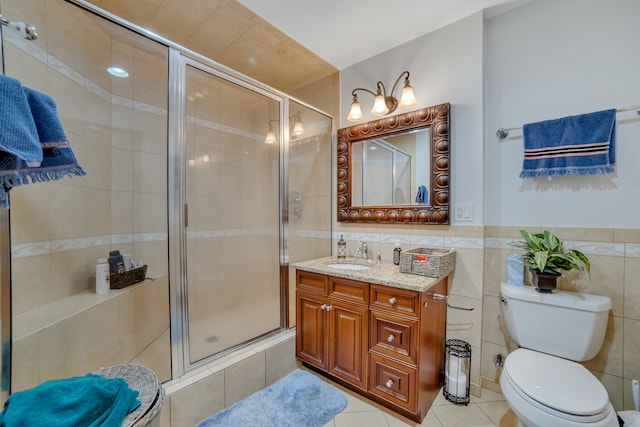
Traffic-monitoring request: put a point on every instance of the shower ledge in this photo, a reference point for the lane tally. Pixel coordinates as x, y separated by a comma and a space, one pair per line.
44, 316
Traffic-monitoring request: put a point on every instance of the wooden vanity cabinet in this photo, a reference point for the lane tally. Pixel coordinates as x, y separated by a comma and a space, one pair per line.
332, 323
384, 342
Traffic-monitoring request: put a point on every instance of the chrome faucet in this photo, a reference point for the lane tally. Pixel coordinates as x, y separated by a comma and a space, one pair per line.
358, 253
363, 250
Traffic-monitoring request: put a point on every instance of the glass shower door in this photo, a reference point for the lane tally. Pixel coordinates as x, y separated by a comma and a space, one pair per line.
233, 220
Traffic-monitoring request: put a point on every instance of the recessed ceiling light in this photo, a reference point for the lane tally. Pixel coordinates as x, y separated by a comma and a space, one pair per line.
117, 72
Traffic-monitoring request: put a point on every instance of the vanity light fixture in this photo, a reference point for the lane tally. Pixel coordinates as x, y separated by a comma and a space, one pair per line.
384, 103
296, 130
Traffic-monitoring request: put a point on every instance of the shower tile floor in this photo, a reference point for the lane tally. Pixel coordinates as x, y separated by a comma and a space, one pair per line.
490, 410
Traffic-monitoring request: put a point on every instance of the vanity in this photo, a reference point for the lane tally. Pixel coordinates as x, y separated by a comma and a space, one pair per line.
373, 329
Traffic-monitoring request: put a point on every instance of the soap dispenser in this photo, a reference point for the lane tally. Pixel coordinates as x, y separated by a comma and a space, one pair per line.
396, 253
342, 248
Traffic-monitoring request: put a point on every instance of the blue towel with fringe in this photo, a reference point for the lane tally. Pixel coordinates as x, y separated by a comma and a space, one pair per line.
18, 132
91, 401
57, 158
574, 145
422, 196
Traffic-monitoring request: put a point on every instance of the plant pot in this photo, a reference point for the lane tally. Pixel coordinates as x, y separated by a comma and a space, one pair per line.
544, 283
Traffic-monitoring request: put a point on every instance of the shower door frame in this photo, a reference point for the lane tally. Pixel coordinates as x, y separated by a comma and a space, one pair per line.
178, 214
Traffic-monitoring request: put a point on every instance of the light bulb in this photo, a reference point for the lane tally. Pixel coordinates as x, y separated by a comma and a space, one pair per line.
271, 137
356, 112
379, 105
298, 129
408, 99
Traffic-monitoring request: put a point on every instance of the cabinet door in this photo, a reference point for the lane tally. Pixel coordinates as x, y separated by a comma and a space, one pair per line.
348, 338
311, 337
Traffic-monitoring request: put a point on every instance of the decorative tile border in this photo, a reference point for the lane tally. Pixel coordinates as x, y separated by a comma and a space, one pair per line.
26, 250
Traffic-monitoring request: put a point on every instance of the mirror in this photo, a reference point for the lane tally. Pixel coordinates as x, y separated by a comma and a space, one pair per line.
382, 165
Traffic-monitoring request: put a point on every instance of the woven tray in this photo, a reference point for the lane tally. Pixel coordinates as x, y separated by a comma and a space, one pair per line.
128, 278
150, 392
439, 262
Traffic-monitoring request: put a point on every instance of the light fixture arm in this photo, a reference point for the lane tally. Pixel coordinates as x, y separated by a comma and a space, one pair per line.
355, 97
406, 81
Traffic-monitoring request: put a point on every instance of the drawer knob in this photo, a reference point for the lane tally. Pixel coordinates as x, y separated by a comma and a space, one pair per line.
389, 383
390, 338
392, 300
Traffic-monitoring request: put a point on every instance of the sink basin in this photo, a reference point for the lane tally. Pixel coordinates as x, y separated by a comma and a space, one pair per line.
344, 266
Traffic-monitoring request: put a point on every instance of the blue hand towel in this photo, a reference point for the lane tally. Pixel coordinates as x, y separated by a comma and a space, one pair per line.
515, 270
575, 145
91, 401
57, 158
18, 133
422, 196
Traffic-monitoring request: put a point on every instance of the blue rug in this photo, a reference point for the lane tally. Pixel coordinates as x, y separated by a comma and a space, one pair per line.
297, 400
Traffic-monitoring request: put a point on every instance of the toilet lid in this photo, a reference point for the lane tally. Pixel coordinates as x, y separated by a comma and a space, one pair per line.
557, 383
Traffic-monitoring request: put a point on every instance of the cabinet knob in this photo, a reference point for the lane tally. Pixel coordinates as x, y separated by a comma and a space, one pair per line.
389, 383
390, 338
392, 300
328, 308
323, 306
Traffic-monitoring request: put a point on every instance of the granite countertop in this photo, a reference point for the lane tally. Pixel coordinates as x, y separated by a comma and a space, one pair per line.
385, 273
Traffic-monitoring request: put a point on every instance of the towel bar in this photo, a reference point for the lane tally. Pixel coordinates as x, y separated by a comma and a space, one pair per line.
502, 133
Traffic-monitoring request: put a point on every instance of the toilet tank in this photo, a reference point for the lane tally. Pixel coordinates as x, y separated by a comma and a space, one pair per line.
567, 324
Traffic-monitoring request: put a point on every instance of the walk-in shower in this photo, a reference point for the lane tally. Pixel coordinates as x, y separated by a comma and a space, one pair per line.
178, 174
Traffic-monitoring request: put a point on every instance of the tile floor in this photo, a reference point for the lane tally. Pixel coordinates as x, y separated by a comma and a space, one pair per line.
490, 410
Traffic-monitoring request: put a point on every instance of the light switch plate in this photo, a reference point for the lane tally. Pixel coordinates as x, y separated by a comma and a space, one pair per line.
463, 212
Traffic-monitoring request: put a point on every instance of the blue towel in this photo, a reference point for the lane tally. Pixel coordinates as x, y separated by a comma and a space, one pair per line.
575, 145
57, 158
422, 196
515, 270
18, 133
91, 401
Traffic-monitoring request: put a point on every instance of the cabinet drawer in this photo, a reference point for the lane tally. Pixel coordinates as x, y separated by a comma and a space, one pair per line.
395, 300
394, 336
314, 282
392, 381
349, 290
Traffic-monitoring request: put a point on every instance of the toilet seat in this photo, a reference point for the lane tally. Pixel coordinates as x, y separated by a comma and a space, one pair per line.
557, 386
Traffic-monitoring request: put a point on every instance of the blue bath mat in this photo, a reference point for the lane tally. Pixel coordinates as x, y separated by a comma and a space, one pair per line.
297, 400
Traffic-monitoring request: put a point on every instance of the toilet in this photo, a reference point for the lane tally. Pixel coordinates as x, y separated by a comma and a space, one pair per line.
542, 381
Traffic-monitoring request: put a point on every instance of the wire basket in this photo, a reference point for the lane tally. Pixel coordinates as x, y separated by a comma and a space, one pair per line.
438, 262
150, 393
128, 278
457, 371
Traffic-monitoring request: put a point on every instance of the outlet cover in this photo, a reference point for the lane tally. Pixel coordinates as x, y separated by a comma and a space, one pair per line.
463, 212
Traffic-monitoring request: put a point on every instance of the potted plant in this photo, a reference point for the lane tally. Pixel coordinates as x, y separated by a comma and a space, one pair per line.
546, 258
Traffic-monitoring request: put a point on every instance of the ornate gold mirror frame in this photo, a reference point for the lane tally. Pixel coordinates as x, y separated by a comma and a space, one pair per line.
436, 118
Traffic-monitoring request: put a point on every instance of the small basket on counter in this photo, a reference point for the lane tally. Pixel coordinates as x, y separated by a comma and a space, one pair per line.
128, 278
428, 262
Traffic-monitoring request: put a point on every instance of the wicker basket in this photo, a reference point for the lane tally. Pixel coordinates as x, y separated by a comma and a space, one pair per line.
439, 262
128, 278
150, 393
